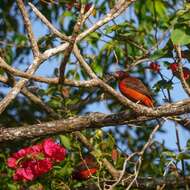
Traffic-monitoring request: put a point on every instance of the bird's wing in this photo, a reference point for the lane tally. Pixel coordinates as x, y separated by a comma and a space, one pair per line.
137, 85
87, 165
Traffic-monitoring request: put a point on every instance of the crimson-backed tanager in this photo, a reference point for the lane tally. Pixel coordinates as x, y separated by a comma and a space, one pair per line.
133, 88
86, 168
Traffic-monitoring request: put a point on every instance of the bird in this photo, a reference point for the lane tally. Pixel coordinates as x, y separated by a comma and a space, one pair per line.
86, 168
175, 70
133, 88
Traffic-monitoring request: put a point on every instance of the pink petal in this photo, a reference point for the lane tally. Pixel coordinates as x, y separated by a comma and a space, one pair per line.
11, 162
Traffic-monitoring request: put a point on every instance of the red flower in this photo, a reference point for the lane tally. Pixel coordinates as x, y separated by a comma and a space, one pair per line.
25, 174
31, 169
21, 153
43, 166
186, 74
33, 161
53, 150
173, 67
12, 162
154, 67
36, 148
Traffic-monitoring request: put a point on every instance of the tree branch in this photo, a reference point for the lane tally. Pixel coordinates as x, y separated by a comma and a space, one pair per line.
28, 27
15, 72
182, 79
119, 7
93, 121
48, 24
67, 53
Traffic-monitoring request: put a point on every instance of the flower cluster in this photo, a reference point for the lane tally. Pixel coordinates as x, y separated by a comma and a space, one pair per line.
33, 161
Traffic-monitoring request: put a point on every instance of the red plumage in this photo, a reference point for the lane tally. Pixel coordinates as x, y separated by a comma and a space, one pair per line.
86, 168
134, 89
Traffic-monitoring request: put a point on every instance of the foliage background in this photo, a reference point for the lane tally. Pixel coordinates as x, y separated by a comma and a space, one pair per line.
146, 31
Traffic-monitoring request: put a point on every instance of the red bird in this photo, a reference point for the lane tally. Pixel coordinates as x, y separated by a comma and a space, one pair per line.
175, 70
133, 88
86, 168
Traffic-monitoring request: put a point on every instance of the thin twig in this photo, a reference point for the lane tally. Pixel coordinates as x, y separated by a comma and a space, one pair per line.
141, 153
67, 53
182, 79
119, 7
179, 148
48, 24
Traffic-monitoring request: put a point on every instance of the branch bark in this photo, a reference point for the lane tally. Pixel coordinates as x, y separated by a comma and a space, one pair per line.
93, 121
28, 27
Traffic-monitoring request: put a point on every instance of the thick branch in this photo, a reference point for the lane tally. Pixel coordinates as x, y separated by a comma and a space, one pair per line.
19, 85
93, 121
15, 72
28, 27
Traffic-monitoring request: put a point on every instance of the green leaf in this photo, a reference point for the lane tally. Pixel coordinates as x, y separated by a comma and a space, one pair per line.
183, 155
158, 54
169, 154
54, 103
163, 84
180, 36
11, 186
83, 1
160, 8
65, 141
98, 69
188, 144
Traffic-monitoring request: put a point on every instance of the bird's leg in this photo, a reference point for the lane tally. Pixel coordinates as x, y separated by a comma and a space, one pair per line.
138, 101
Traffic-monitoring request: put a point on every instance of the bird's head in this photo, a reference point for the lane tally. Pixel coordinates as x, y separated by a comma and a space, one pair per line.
120, 75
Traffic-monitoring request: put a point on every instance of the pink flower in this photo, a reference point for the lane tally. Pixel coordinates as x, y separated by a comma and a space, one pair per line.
25, 174
54, 150
21, 153
35, 148
11, 162
31, 169
33, 161
43, 166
